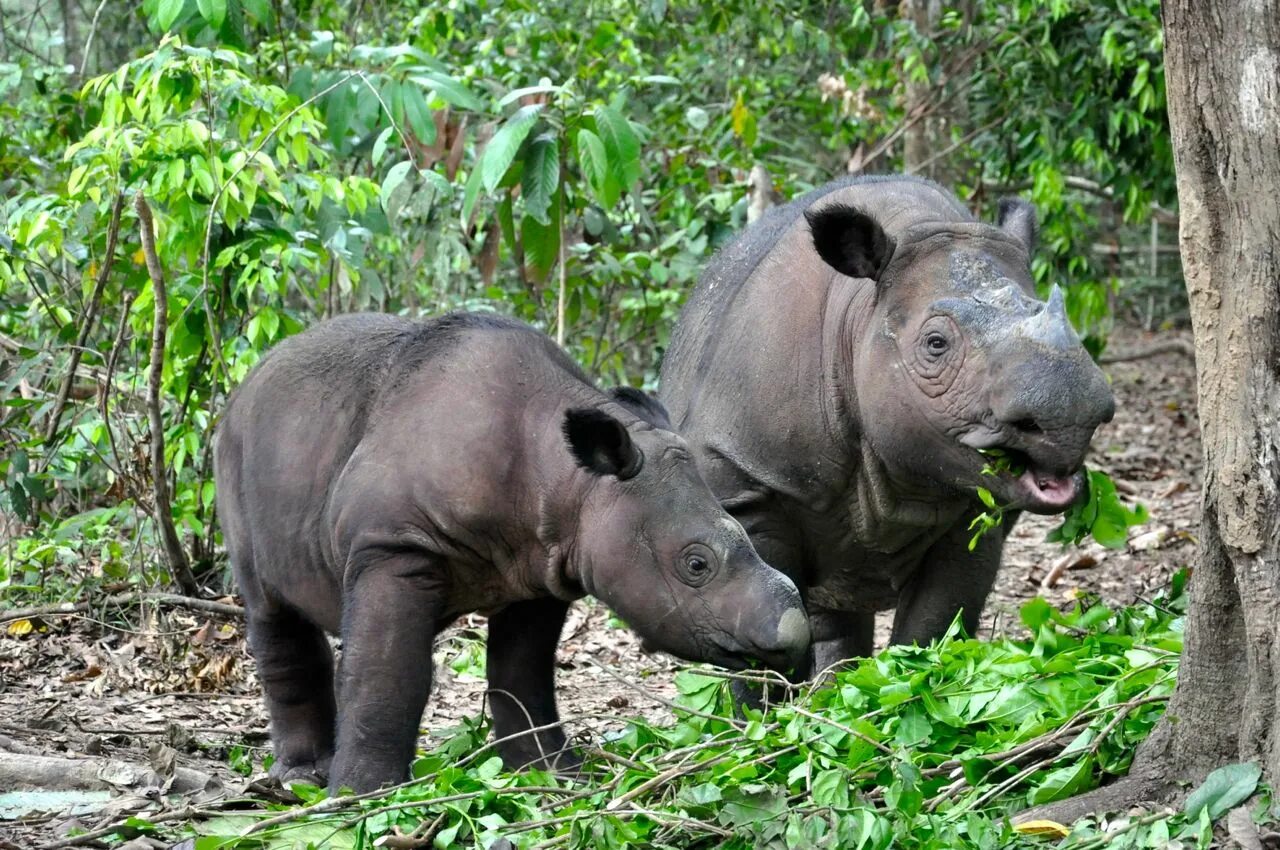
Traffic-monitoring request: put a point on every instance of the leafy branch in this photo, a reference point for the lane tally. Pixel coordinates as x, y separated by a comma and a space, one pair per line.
1099, 513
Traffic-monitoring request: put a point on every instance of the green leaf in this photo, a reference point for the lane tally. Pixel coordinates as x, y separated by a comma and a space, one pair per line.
505, 144
213, 11
541, 176
380, 144
748, 804
621, 145
700, 795
1224, 789
542, 241
515, 94
697, 117
167, 12
1063, 782
448, 89
490, 768
914, 728
831, 788
418, 116
594, 163
1101, 515
1035, 613
395, 176
470, 193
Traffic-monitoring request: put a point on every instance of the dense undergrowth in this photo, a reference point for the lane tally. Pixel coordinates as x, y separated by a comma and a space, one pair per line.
918, 747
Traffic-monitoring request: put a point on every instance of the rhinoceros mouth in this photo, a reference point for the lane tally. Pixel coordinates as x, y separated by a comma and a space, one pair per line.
1028, 484
1049, 493
1032, 487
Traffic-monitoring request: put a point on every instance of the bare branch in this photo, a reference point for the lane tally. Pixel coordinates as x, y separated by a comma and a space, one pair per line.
1167, 346
1083, 184
90, 319
179, 567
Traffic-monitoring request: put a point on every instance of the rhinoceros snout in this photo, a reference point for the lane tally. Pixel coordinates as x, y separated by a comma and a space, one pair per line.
787, 646
1042, 396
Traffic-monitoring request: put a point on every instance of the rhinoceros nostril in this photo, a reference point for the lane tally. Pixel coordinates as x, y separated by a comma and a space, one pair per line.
1027, 426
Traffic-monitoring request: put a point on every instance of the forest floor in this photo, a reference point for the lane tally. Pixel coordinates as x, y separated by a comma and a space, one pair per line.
172, 687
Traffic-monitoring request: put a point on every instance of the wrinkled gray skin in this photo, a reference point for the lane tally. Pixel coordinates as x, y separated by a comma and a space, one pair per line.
837, 370
379, 477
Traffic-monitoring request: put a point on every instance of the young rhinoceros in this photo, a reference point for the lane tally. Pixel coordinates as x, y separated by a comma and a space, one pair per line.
837, 372
378, 477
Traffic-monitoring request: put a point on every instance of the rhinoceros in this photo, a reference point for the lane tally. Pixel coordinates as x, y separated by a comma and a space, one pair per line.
378, 477
839, 371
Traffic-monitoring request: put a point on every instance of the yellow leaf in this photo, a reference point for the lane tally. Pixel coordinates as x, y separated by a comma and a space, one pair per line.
139, 258
20, 627
740, 115
1042, 827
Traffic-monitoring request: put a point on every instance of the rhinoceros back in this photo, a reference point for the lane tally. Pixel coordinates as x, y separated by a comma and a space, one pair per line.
763, 276
291, 427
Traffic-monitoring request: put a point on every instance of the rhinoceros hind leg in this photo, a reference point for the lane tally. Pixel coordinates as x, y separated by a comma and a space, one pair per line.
521, 664
295, 667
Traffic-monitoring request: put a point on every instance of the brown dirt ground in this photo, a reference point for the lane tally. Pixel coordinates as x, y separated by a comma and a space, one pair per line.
118, 686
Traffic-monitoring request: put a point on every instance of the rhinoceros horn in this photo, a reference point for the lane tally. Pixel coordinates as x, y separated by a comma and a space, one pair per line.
1050, 325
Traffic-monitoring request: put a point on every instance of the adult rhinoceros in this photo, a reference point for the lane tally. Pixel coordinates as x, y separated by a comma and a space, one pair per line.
837, 371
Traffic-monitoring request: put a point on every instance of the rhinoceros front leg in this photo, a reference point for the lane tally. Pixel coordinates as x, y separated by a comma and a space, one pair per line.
521, 664
393, 603
839, 636
951, 580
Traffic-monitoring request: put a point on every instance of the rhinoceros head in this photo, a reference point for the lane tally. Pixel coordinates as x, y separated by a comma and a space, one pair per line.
653, 543
957, 355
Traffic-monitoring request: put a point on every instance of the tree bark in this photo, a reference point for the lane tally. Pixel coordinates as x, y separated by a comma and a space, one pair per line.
1222, 66
71, 36
1222, 72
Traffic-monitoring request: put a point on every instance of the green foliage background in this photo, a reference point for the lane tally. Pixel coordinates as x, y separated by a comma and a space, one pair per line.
572, 164
575, 165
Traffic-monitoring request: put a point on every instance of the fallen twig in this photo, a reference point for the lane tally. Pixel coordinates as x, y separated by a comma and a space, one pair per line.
175, 599
420, 837
862, 736
186, 813
662, 700
334, 804
24, 770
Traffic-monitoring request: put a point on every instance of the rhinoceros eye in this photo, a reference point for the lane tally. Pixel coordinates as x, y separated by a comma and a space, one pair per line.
697, 565
936, 344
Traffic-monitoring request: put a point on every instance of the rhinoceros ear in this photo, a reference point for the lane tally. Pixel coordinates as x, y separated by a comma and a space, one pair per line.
643, 405
600, 443
1018, 218
850, 241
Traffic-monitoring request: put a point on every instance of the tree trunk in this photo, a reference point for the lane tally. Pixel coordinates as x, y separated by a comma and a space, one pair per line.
920, 134
1222, 67
70, 36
